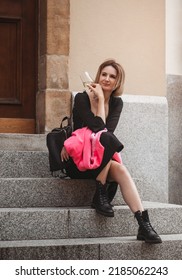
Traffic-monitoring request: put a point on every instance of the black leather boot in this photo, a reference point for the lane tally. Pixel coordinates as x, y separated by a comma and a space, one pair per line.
100, 201
111, 190
146, 231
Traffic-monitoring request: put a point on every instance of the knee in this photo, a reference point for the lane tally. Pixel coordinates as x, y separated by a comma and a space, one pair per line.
120, 168
123, 169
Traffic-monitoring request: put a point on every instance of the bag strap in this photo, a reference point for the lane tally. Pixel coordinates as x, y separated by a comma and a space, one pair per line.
68, 122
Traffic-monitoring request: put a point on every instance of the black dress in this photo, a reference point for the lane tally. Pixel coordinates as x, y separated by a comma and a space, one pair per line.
83, 116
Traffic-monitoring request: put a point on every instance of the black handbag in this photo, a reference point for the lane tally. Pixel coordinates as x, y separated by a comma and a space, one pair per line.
55, 141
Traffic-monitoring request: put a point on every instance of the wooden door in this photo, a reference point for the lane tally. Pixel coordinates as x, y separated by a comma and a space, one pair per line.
18, 65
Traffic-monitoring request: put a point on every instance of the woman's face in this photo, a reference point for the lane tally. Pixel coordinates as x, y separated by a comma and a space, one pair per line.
108, 78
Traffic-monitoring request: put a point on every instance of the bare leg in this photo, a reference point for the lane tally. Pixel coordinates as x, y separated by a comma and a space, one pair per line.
104, 173
119, 173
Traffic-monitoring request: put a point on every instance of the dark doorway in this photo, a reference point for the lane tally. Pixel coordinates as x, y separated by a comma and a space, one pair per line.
18, 65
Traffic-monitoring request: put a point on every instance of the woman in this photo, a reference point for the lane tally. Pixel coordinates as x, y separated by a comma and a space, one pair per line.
100, 109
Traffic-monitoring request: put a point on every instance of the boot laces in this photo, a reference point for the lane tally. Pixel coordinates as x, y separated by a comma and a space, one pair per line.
104, 197
148, 226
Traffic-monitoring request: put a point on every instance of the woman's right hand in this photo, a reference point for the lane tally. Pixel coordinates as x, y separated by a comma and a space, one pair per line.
64, 154
96, 89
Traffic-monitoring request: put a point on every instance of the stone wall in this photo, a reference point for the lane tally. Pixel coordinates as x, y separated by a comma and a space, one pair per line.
143, 129
53, 98
174, 95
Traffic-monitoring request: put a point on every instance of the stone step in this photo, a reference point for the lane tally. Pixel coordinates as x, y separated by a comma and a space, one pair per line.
48, 192
103, 248
22, 142
83, 222
27, 164
26, 156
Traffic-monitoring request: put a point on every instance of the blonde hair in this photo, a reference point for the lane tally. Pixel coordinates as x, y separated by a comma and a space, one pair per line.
120, 75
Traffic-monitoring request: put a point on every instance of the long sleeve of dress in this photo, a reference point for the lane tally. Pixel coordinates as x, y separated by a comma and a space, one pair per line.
83, 116
115, 108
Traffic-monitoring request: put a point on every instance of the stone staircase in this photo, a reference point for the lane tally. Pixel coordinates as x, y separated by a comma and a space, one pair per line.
42, 217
